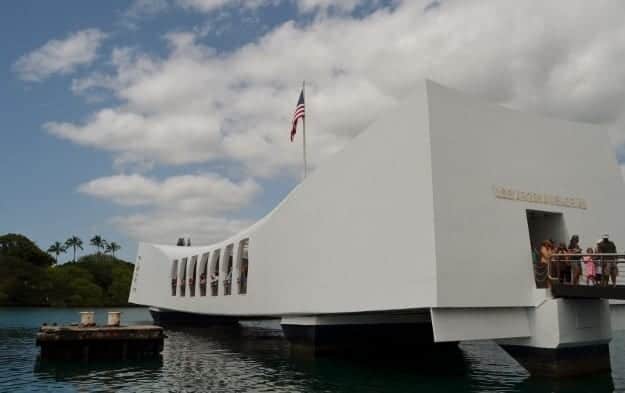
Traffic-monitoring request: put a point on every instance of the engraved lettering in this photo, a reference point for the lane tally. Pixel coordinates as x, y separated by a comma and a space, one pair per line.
540, 198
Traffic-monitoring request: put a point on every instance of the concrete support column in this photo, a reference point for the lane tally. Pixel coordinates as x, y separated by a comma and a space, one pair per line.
562, 362
227, 252
568, 337
359, 332
178, 318
215, 258
234, 285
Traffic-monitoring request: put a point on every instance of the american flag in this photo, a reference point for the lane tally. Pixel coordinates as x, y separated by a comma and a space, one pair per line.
300, 113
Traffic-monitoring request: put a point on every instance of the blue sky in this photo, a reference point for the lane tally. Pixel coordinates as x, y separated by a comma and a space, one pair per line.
150, 119
40, 198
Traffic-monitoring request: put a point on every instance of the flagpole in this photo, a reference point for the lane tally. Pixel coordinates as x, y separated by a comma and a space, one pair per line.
304, 133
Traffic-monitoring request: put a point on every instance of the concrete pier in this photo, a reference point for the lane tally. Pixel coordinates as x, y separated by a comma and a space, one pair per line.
363, 333
568, 337
562, 362
179, 318
87, 343
361, 337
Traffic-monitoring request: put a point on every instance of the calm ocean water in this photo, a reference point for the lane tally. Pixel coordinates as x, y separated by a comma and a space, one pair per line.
255, 358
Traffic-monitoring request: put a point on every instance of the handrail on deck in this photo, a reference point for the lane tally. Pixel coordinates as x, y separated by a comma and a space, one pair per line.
603, 259
622, 256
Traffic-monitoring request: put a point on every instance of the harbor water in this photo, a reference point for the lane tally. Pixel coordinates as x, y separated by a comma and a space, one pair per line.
256, 358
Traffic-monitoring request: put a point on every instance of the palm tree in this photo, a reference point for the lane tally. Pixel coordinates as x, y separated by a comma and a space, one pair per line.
57, 248
98, 242
74, 242
112, 247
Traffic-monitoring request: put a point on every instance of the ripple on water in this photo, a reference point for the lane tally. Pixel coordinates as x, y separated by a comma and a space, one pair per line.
256, 358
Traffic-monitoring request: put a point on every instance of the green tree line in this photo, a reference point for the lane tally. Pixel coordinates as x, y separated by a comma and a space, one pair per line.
74, 242
31, 277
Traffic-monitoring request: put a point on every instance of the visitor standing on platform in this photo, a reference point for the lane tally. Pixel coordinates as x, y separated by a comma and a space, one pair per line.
610, 270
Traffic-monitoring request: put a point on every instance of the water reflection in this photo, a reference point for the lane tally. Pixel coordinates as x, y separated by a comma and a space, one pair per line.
599, 383
493, 370
257, 358
290, 369
63, 370
472, 366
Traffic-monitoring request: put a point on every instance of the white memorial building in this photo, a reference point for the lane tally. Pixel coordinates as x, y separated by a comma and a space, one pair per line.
422, 227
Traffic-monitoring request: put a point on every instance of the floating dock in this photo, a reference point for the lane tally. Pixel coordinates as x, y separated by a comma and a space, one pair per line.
85, 343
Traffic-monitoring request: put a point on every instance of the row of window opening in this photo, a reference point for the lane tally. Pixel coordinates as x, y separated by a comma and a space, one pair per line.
185, 273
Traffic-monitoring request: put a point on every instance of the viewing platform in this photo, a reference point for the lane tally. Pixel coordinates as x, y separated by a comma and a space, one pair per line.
588, 292
602, 287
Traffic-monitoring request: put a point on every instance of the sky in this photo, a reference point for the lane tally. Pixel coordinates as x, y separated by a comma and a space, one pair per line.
148, 120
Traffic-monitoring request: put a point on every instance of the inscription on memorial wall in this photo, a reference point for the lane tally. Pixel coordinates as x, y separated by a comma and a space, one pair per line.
541, 198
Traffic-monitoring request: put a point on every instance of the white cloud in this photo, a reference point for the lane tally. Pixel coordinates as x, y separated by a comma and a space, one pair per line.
303, 5
174, 138
199, 105
140, 9
146, 8
166, 228
327, 5
60, 56
212, 5
176, 204
208, 193
203, 5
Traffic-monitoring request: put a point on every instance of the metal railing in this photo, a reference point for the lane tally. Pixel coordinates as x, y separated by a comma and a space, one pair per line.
565, 268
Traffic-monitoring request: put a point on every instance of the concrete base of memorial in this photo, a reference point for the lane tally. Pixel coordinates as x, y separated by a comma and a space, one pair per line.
362, 333
568, 337
167, 317
562, 362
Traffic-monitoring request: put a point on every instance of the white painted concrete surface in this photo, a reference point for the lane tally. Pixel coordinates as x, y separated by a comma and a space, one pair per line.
560, 323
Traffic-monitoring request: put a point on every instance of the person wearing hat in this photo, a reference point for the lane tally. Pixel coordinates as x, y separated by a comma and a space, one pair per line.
608, 264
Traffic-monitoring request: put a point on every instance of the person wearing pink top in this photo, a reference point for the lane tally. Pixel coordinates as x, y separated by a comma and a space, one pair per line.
589, 267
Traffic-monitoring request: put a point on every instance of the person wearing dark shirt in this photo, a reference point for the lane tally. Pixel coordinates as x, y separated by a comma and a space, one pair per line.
575, 261
564, 264
610, 270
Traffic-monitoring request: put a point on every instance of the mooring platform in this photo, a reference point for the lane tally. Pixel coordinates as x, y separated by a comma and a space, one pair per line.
78, 342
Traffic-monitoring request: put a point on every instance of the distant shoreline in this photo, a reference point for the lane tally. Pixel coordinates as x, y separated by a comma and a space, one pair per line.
31, 277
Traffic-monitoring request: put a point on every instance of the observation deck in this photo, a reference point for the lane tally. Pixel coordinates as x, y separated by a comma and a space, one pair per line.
602, 287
